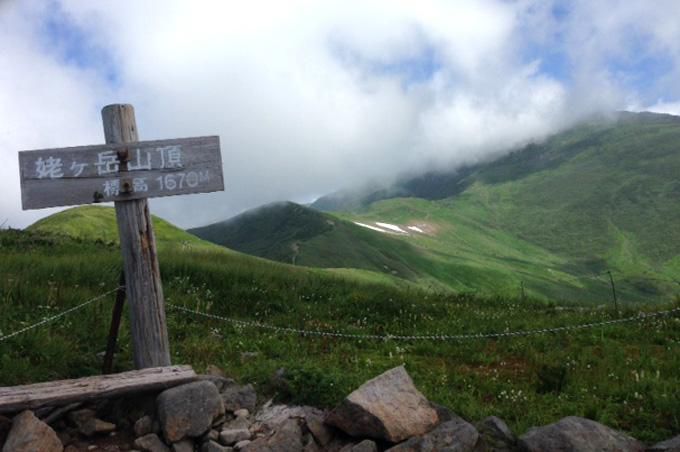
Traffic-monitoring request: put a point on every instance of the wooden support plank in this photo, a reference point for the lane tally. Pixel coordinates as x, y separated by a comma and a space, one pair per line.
143, 287
17, 398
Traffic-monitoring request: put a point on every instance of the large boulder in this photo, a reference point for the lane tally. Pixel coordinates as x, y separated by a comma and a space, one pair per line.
670, 445
455, 435
30, 434
576, 434
188, 410
387, 407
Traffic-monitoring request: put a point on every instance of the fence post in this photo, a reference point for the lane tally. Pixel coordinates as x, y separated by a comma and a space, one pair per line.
143, 288
611, 279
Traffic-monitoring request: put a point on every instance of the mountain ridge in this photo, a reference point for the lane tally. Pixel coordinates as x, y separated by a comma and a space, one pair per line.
600, 196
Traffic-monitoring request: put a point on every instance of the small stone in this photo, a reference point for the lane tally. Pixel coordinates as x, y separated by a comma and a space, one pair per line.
219, 421
236, 424
288, 438
91, 447
29, 434
88, 424
215, 371
104, 427
229, 437
221, 383
241, 444
143, 426
243, 412
365, 446
236, 397
496, 435
186, 445
84, 420
151, 443
320, 431
188, 410
212, 435
212, 446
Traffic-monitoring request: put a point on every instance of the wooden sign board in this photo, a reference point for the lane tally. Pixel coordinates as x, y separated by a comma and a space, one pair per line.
120, 172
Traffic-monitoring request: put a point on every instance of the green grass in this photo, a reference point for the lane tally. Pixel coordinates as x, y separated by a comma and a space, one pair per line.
98, 223
625, 376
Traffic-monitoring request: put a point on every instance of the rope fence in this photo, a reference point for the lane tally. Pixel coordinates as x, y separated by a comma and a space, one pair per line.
345, 335
52, 318
427, 337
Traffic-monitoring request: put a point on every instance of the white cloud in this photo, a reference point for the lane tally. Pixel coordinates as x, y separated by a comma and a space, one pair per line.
671, 108
308, 96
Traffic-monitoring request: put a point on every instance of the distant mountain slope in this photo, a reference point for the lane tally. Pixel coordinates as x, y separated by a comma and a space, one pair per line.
98, 223
292, 233
548, 219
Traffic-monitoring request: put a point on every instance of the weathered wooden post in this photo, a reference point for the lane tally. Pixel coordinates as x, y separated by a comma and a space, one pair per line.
127, 172
138, 246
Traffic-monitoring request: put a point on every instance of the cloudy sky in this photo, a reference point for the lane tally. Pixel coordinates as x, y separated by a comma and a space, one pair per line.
309, 97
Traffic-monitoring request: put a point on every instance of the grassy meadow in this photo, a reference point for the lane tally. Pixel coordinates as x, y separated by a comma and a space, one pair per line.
626, 376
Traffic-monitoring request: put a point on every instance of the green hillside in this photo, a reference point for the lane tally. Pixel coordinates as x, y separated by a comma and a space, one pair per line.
98, 223
549, 219
291, 233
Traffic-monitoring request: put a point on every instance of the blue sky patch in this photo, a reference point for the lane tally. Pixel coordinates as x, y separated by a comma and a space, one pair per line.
74, 45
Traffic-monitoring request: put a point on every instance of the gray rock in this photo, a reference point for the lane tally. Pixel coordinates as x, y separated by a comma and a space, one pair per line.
211, 435
151, 443
573, 434
236, 424
221, 383
496, 436
186, 445
455, 435
365, 446
143, 426
229, 437
270, 417
241, 444
386, 407
29, 434
670, 445
288, 438
212, 446
236, 397
443, 413
188, 410
88, 424
322, 433
242, 413
415, 444
311, 445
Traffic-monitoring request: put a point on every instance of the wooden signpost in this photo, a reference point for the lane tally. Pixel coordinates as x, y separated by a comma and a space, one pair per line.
127, 172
